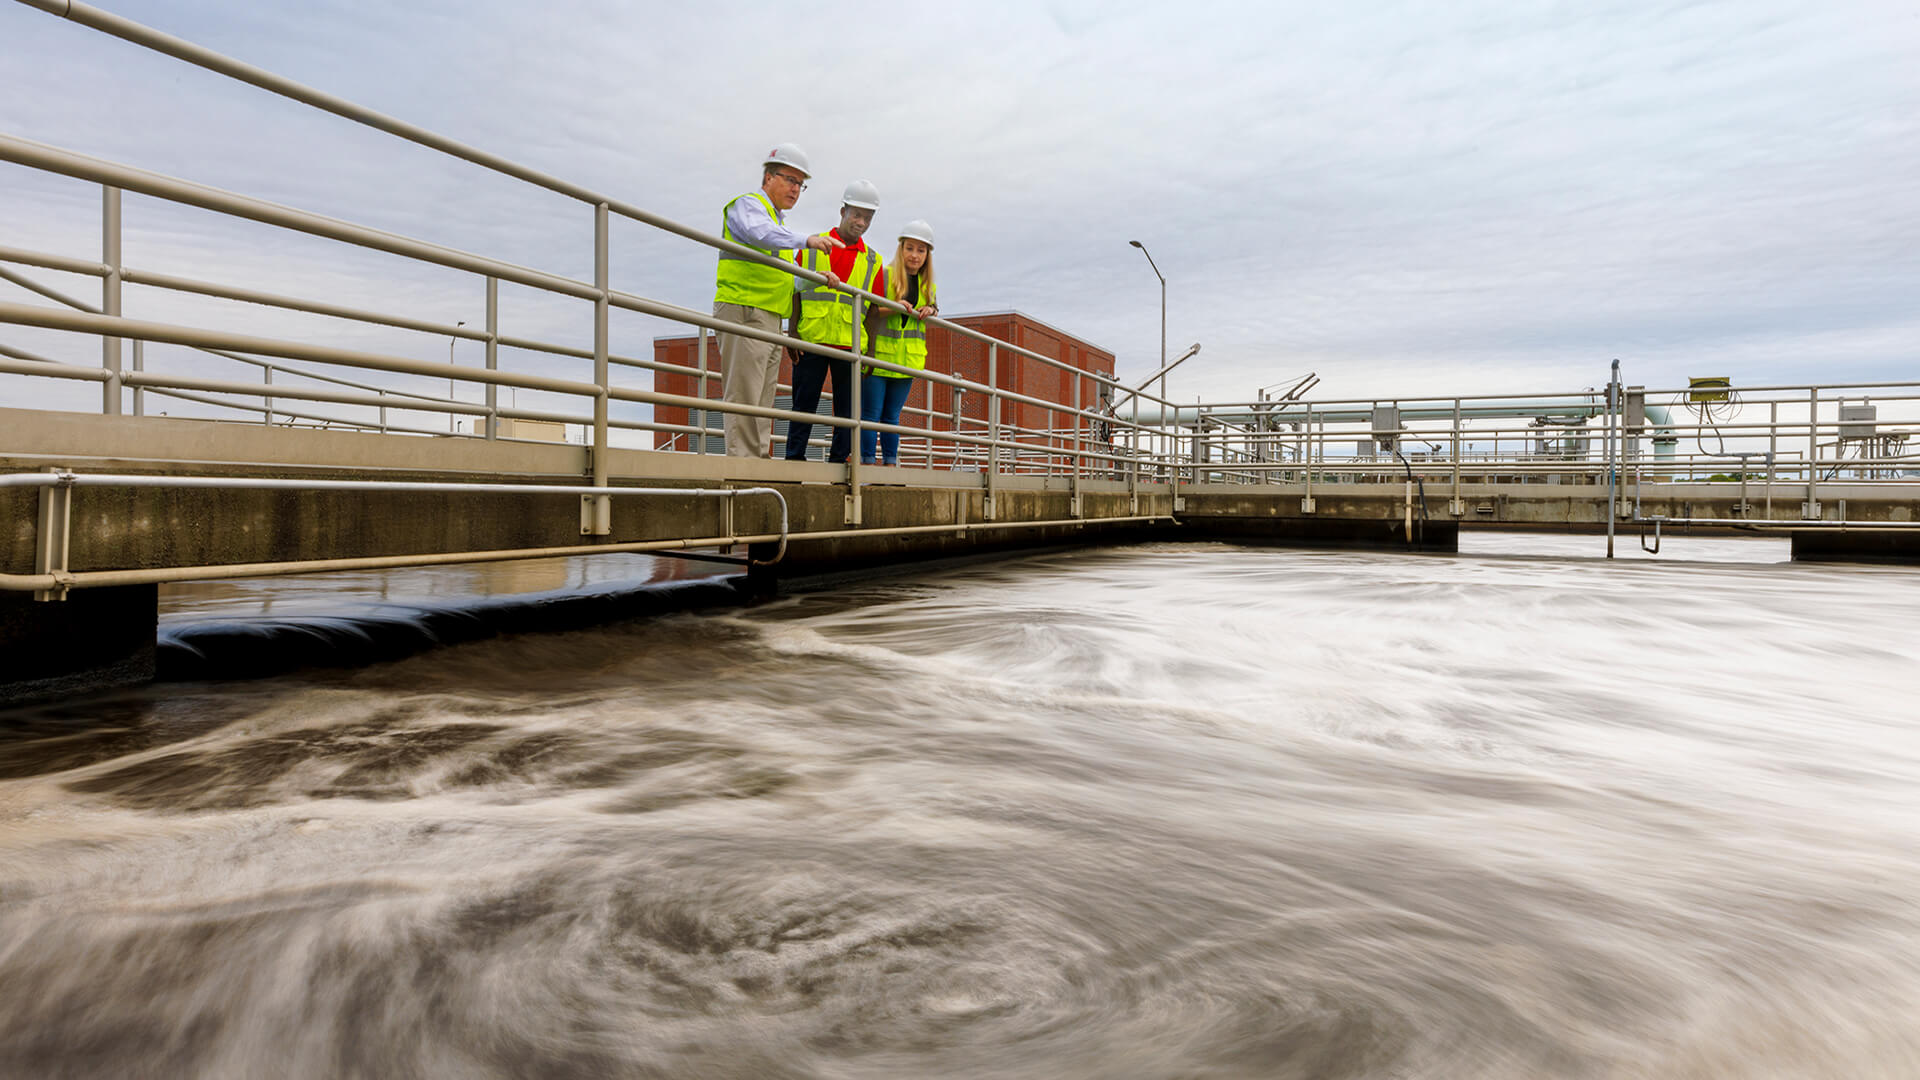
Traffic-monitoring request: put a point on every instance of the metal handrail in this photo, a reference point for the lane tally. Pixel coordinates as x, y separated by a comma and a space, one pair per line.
66, 478
117, 326
1166, 444
209, 289
80, 166
62, 580
200, 56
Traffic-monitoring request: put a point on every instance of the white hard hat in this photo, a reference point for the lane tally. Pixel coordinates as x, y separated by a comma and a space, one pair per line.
917, 230
863, 194
789, 155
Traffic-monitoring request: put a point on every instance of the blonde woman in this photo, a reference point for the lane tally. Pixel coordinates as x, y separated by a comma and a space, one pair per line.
899, 339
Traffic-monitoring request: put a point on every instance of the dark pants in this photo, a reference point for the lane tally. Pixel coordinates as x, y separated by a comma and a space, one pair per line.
809, 374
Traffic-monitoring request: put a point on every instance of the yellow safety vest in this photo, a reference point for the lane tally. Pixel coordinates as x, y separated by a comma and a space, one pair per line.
826, 315
903, 338
750, 283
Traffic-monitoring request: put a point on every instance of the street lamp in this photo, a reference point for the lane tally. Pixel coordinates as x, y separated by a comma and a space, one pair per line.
450, 383
1163, 313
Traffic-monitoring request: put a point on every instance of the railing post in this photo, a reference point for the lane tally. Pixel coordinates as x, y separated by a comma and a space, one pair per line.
139, 364
993, 426
1810, 510
1613, 476
1133, 459
110, 296
1306, 501
267, 375
1456, 506
596, 511
1773, 449
700, 391
1077, 512
52, 536
493, 356
383, 415
853, 410
1200, 445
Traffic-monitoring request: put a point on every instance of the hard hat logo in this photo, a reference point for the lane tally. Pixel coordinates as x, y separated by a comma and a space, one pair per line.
791, 156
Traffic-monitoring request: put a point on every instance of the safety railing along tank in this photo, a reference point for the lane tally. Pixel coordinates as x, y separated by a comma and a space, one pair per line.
116, 276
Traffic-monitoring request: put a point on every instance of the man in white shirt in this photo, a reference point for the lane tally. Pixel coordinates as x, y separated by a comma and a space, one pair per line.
753, 294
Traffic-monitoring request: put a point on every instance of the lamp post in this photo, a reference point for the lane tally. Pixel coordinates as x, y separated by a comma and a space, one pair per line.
451, 429
1163, 313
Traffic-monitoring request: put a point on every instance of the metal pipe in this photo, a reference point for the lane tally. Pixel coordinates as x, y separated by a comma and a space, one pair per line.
80, 305
700, 391
493, 356
110, 296
1192, 350
82, 167
1812, 507
28, 364
87, 323
102, 578
855, 438
1749, 525
52, 294
993, 429
598, 520
66, 479
694, 318
65, 263
1613, 401
313, 307
1456, 507
230, 386
52, 159
68, 580
1164, 366
200, 56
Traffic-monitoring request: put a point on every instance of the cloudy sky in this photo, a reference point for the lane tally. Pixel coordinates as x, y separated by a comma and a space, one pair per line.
1403, 197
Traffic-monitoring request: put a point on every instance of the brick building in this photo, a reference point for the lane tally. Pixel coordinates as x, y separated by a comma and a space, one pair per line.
948, 353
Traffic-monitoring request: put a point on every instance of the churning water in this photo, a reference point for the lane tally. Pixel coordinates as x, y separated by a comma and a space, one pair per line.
1165, 811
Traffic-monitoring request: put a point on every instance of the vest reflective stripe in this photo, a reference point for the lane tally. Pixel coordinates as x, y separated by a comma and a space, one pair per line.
902, 339
753, 284
826, 315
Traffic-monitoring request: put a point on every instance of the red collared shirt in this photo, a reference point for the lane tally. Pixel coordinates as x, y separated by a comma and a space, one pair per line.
841, 259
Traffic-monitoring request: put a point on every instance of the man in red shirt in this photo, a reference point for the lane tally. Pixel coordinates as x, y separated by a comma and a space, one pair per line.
825, 316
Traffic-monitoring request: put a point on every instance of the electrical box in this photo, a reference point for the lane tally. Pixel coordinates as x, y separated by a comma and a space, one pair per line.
1634, 409
1708, 389
1386, 426
1858, 421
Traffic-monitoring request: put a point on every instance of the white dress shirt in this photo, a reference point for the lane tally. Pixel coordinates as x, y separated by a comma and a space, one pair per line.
747, 220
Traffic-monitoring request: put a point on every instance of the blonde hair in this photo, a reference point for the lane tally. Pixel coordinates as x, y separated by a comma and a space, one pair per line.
897, 273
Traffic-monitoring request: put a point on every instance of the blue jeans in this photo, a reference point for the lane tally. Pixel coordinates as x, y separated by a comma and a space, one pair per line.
882, 398
809, 373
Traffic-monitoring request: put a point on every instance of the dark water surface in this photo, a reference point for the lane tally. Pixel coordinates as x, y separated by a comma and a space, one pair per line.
1167, 811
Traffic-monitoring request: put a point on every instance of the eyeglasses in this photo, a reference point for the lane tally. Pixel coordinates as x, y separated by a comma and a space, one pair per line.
791, 179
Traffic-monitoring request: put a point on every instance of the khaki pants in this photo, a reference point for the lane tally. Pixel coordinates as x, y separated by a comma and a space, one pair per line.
749, 373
